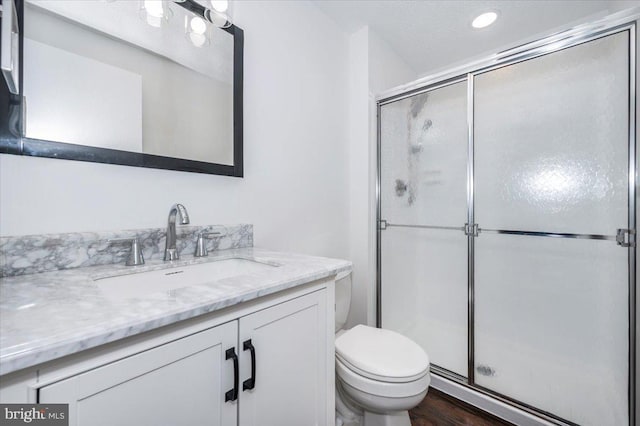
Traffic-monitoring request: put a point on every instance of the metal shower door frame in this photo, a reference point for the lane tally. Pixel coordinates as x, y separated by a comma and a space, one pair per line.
613, 24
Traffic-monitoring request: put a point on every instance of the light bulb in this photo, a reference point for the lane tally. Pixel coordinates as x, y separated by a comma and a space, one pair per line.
484, 20
155, 12
196, 31
198, 25
198, 40
154, 8
218, 19
220, 5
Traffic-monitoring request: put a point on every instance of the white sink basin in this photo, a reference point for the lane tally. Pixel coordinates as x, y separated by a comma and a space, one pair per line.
142, 283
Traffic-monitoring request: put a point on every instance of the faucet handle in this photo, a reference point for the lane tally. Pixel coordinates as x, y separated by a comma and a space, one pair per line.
135, 255
201, 246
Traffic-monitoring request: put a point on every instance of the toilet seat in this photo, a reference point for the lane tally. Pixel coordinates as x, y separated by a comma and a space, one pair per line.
379, 378
382, 388
381, 355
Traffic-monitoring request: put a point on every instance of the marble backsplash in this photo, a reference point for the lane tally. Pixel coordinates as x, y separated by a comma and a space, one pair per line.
30, 254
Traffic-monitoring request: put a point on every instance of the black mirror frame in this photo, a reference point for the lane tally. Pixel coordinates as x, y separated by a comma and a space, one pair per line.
12, 141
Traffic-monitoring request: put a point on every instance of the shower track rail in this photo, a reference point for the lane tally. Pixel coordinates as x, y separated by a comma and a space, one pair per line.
461, 380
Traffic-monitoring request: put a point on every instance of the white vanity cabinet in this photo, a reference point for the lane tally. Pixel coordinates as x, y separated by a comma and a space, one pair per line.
291, 370
179, 383
283, 346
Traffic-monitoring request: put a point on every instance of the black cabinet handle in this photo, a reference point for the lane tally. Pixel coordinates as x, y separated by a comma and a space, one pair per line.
251, 382
232, 394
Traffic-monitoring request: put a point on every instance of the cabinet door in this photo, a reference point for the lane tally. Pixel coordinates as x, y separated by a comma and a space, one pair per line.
291, 364
180, 383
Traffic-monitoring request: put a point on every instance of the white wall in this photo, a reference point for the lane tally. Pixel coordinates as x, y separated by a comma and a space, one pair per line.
296, 149
386, 68
374, 67
360, 221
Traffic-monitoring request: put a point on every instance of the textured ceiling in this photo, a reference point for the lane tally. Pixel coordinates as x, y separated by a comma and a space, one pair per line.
430, 35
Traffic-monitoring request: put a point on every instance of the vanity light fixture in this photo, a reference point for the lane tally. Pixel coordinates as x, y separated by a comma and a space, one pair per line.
220, 20
484, 20
196, 30
218, 15
155, 12
220, 6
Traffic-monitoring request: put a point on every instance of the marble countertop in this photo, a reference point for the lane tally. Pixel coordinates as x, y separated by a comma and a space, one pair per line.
49, 315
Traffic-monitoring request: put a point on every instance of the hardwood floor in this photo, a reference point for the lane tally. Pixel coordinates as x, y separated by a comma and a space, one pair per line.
439, 409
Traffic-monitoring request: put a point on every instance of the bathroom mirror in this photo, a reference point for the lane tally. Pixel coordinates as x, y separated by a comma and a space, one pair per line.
145, 83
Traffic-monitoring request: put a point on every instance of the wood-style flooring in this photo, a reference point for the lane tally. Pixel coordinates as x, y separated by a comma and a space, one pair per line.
439, 409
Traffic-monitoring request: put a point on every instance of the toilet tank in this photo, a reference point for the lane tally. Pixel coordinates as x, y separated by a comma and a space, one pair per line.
343, 298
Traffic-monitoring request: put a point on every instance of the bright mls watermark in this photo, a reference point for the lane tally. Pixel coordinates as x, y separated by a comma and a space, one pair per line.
34, 414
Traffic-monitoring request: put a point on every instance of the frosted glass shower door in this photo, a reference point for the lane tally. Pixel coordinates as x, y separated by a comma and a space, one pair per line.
551, 138
423, 181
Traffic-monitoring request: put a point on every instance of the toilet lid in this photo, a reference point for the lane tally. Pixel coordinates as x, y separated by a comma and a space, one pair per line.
382, 354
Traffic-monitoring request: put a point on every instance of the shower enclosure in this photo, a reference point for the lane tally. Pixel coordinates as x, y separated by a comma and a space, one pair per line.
506, 224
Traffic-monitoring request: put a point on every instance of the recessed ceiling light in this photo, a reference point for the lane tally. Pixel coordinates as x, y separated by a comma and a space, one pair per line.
484, 20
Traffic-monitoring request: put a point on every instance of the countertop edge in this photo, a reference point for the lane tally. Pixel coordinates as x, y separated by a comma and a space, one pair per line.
31, 357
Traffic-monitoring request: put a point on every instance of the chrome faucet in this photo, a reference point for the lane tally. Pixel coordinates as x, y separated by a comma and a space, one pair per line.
170, 251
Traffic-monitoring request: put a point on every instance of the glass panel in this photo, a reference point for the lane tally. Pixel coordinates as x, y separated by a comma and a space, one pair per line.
551, 325
551, 141
424, 291
424, 158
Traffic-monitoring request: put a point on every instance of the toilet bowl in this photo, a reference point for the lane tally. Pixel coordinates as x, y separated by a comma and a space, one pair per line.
380, 374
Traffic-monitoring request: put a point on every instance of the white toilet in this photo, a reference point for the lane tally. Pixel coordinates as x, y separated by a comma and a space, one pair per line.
380, 374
